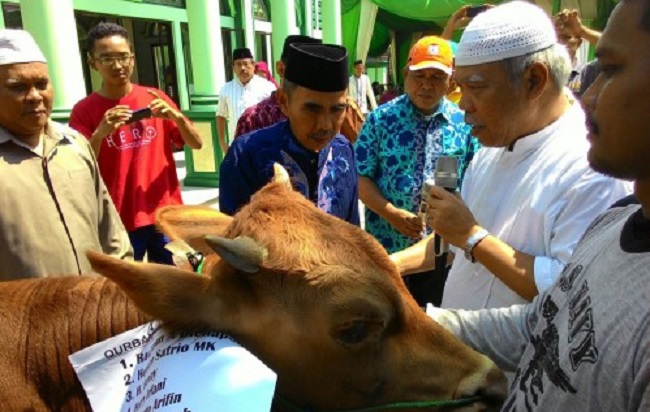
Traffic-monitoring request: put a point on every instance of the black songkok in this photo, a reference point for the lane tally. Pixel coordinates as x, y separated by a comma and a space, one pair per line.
319, 67
243, 53
294, 39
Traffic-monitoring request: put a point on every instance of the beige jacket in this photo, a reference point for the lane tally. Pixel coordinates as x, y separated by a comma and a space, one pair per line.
54, 208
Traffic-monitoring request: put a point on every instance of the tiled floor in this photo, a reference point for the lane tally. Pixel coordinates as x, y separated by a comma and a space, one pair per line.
194, 195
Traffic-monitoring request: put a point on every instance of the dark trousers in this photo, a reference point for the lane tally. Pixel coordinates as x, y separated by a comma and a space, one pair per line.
147, 239
427, 287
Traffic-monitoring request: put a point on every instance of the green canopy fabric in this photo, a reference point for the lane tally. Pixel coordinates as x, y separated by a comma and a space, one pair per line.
404, 17
434, 11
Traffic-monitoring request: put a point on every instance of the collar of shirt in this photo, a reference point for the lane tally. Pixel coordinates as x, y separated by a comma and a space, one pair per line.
50, 132
300, 153
252, 82
443, 110
532, 141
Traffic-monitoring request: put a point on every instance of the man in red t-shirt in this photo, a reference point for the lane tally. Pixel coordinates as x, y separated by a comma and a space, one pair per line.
135, 155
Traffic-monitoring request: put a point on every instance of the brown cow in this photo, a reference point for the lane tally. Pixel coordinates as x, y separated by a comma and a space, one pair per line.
43, 321
316, 299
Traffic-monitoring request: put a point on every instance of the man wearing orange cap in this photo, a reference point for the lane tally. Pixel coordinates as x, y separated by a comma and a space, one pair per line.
397, 151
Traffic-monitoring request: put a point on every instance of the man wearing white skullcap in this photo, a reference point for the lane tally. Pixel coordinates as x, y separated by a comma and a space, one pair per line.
54, 203
529, 193
582, 344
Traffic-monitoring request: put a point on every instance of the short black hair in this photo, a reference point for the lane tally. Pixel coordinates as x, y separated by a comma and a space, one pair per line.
103, 30
358, 62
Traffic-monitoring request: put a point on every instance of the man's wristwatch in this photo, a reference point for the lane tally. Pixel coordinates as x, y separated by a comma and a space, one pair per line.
472, 242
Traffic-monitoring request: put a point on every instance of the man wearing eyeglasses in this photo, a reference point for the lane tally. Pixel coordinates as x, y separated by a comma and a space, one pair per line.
134, 148
242, 92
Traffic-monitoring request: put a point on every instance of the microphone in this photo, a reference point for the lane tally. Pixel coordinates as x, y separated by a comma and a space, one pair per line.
445, 176
422, 211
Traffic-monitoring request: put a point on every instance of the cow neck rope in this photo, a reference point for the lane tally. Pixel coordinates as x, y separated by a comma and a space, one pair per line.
397, 405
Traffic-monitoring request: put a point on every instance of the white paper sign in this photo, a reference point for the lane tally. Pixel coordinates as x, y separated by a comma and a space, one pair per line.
146, 370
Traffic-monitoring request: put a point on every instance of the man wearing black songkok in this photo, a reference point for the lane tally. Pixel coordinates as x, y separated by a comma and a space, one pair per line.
268, 112
237, 95
320, 161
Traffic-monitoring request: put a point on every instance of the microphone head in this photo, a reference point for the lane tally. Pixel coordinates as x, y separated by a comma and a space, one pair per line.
446, 173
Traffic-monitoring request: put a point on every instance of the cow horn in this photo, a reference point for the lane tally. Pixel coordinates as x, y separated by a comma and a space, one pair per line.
242, 253
280, 174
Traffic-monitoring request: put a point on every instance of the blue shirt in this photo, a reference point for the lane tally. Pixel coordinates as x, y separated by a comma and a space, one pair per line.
397, 149
328, 177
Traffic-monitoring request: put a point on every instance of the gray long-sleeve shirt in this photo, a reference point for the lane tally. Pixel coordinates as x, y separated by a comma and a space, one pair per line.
584, 344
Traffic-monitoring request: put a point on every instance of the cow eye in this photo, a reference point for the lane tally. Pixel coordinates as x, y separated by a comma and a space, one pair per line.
354, 333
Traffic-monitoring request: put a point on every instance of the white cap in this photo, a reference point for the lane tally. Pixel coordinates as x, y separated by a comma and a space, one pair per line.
509, 30
18, 46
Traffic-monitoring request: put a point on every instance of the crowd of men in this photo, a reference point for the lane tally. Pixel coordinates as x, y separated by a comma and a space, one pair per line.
549, 241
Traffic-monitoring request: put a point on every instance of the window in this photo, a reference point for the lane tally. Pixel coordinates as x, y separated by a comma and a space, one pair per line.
230, 39
261, 10
227, 8
12, 17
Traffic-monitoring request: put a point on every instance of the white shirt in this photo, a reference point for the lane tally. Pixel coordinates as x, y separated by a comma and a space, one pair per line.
538, 198
236, 97
358, 89
38, 150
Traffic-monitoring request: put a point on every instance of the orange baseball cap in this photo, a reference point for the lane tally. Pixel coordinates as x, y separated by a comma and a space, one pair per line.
431, 52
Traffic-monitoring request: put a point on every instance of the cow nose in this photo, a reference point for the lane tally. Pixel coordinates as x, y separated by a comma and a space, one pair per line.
488, 382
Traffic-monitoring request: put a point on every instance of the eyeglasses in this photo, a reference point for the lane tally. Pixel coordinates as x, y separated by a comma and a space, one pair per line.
109, 61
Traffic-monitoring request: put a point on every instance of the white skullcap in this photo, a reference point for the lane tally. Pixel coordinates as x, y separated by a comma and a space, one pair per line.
18, 46
509, 30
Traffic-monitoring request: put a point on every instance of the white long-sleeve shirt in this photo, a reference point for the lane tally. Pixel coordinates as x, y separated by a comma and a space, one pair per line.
538, 198
236, 97
360, 88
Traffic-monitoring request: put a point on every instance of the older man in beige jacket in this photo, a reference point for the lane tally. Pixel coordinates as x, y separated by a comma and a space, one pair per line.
53, 203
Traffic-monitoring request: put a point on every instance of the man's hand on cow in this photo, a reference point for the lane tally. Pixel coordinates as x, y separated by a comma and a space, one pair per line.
405, 222
161, 108
113, 119
449, 217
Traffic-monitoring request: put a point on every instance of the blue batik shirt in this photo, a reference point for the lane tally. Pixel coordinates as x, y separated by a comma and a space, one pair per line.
328, 177
397, 149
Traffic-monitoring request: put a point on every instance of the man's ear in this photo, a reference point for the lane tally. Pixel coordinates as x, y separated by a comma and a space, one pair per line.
279, 68
536, 80
91, 62
283, 101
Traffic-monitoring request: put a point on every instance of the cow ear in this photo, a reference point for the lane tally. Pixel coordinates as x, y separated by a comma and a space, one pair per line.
242, 253
359, 323
177, 297
191, 224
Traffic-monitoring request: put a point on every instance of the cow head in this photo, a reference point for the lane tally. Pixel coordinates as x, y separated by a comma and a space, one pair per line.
315, 298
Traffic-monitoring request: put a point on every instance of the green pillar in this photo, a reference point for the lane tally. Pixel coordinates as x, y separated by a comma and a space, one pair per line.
181, 75
331, 12
284, 22
206, 48
203, 18
307, 28
2, 19
53, 26
248, 23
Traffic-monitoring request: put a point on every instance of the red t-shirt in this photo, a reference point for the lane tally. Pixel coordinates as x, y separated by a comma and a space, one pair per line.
136, 161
